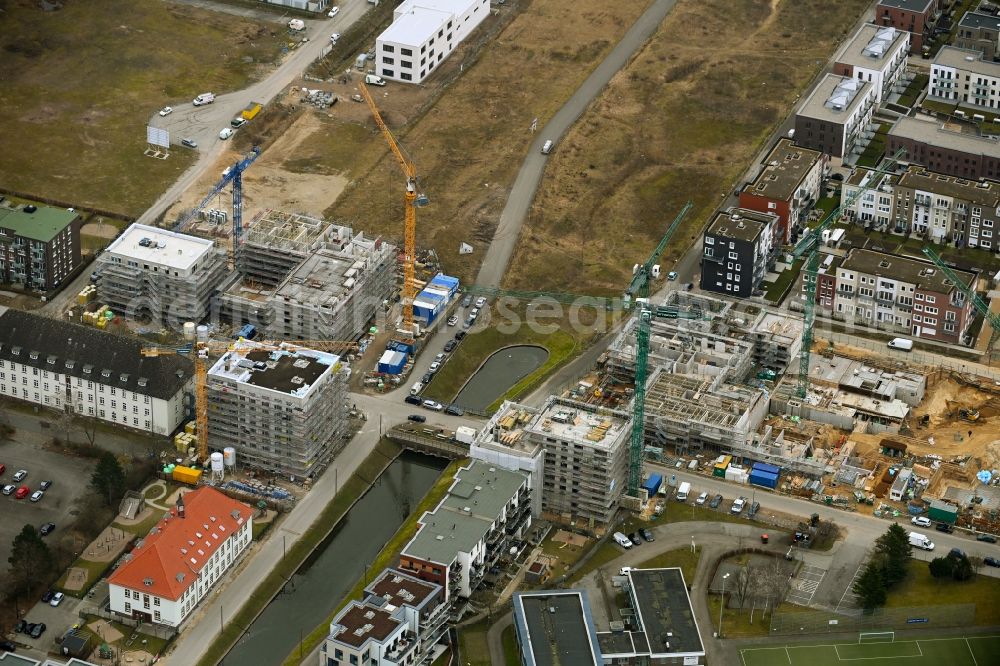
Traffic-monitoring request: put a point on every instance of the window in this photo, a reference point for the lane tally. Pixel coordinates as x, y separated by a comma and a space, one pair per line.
128, 607
408, 64
405, 52
388, 72
406, 76
389, 48
709, 240
733, 255
388, 61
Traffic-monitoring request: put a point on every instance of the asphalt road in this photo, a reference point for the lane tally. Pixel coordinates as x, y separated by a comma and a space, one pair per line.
533, 168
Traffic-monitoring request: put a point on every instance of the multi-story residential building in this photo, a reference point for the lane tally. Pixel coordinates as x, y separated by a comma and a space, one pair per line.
12, 659
423, 33
89, 372
556, 627
962, 76
737, 248
836, 114
944, 151
160, 275
897, 294
788, 185
915, 16
876, 54
948, 209
281, 409
979, 31
874, 207
398, 622
471, 529
39, 245
172, 569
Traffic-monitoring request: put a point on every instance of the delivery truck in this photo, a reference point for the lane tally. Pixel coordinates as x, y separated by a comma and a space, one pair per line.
683, 491
918, 540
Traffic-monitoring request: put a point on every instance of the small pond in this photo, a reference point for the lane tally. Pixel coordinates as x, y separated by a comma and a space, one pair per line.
502, 369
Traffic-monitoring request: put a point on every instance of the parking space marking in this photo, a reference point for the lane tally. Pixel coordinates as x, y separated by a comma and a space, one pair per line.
805, 584
849, 599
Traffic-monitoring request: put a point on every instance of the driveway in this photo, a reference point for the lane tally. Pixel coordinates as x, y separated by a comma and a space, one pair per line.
57, 621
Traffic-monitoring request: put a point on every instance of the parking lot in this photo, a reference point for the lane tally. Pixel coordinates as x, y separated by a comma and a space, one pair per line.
803, 586
69, 476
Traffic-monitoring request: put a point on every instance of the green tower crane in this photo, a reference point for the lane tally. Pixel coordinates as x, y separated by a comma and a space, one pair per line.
638, 292
969, 291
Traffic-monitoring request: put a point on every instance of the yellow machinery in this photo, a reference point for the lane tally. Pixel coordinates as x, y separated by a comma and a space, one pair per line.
201, 351
410, 219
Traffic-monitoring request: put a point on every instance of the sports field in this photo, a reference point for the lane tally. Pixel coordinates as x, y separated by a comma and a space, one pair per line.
881, 651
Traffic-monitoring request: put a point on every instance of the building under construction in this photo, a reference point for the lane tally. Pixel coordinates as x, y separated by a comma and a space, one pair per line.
282, 410
299, 278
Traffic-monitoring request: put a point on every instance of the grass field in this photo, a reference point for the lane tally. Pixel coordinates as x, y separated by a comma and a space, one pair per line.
80, 84
958, 651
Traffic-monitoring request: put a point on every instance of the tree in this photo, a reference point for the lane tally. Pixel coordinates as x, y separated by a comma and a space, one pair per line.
108, 479
30, 559
941, 567
961, 568
871, 586
895, 547
747, 579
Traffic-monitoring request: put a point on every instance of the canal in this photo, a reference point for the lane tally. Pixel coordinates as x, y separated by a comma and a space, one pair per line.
328, 575
502, 369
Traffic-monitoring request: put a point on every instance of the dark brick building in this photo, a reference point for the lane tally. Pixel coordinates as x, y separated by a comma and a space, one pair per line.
915, 16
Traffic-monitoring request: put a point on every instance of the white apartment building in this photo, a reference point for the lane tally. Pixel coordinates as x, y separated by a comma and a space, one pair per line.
962, 76
874, 206
423, 33
165, 276
398, 623
835, 116
172, 569
283, 410
877, 55
89, 372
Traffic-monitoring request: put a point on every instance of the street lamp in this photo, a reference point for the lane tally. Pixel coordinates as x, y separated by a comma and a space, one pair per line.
723, 604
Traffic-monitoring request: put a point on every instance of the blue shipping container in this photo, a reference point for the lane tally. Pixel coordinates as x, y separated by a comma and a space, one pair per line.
760, 478
764, 467
392, 362
652, 484
446, 282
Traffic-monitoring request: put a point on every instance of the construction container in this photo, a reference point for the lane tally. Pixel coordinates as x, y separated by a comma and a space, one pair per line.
652, 484
392, 362
764, 479
446, 283
737, 474
764, 467
186, 475
943, 512
428, 305
721, 465
252, 110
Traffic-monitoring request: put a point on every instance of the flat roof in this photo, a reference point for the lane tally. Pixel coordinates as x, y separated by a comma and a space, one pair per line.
507, 430
966, 60
399, 589
934, 134
786, 167
984, 192
974, 19
834, 98
166, 248
328, 277
579, 422
361, 622
291, 371
663, 608
924, 274
43, 225
739, 224
872, 45
912, 5
415, 26
11, 659
463, 518
556, 628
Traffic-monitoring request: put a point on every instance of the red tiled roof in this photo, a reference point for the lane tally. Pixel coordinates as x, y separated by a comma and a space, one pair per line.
170, 557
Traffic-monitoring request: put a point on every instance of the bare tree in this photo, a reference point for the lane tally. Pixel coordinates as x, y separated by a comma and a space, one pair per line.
746, 583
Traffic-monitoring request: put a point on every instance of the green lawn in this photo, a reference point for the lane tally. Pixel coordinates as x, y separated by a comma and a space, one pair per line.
511, 653
779, 288
876, 149
953, 651
94, 572
472, 644
142, 528
682, 557
917, 86
946, 108
919, 588
736, 622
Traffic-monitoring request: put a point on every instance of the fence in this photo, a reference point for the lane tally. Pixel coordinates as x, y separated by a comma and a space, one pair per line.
905, 617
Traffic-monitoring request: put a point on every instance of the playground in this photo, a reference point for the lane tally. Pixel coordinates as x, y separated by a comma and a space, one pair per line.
881, 649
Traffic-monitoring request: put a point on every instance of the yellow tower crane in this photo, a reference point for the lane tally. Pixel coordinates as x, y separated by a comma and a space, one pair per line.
201, 351
412, 200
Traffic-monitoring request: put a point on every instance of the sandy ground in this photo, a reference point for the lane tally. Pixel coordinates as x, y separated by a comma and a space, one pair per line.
76, 578
106, 630
570, 538
99, 229
108, 545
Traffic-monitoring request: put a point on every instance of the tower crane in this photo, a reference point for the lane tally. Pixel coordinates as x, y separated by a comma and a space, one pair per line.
412, 199
809, 245
969, 291
234, 175
638, 292
201, 350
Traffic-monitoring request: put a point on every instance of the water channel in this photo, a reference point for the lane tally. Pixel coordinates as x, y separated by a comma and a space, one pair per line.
502, 370
336, 565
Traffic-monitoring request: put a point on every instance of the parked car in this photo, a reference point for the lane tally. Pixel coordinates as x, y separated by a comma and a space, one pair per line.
189, 143
474, 313
46, 529
334, 38
417, 418
238, 122
738, 504
37, 495
3, 468
716, 501
226, 133
47, 597
22, 492
413, 400
957, 552
945, 527
991, 562
166, 111
38, 630
451, 344
436, 406
480, 302
21, 627
754, 508
44, 485
459, 335
921, 521
333, 11
454, 410
634, 538
426, 379
8, 489
672, 275
20, 474
467, 301
453, 320
7, 646
701, 499
439, 357
435, 366
57, 599
986, 538
647, 534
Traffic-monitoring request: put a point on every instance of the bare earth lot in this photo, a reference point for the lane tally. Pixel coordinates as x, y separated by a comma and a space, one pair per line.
79, 85
681, 122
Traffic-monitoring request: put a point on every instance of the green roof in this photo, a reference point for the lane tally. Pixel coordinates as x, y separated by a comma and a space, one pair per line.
42, 225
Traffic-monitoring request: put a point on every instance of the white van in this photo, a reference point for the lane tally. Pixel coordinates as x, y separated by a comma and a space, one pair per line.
547, 147
204, 98
682, 492
622, 540
415, 389
901, 343
372, 80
